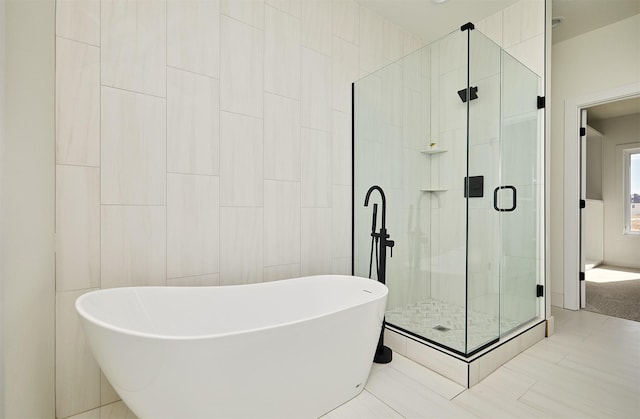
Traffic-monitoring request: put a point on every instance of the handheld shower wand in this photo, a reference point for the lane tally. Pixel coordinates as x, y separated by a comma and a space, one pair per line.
374, 239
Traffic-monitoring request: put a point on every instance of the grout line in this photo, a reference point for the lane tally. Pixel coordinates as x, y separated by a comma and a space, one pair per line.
191, 174
195, 73
77, 41
237, 20
131, 91
241, 114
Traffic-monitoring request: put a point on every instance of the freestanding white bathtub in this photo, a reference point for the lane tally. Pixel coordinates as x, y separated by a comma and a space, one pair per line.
295, 348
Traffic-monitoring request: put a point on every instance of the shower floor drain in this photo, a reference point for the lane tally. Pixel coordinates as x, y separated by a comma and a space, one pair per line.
441, 328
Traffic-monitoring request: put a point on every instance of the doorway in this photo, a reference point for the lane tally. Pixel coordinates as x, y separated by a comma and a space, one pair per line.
609, 186
572, 188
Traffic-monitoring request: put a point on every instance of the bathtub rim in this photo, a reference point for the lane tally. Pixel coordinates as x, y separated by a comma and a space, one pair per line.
82, 312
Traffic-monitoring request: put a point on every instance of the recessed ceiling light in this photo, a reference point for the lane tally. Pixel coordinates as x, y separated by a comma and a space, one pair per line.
557, 21
438, 1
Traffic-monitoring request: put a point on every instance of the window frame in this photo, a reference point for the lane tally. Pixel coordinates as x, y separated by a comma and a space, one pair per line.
627, 152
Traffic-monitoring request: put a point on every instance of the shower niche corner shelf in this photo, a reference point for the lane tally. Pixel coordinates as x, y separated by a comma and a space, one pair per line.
433, 189
434, 150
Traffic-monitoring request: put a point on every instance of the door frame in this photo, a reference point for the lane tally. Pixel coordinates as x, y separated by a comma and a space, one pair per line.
571, 207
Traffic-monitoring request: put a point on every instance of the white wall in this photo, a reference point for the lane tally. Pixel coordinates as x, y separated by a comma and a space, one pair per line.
594, 232
594, 164
2, 67
575, 73
222, 155
27, 214
619, 249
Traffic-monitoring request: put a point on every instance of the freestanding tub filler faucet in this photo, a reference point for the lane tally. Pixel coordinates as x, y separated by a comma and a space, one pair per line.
383, 353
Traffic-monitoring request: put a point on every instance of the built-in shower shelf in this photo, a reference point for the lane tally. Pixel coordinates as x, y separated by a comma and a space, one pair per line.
433, 190
433, 151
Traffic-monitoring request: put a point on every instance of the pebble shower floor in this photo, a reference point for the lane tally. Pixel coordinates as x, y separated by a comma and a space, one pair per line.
444, 323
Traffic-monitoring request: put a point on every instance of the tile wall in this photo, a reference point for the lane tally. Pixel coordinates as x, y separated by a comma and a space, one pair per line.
201, 142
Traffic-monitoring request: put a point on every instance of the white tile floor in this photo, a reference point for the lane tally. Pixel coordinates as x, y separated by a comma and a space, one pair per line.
590, 368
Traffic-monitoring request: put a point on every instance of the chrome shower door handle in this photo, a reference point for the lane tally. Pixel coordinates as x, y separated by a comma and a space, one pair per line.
495, 198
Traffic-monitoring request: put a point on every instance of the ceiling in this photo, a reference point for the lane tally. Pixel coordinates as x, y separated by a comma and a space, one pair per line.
432, 21
614, 109
586, 15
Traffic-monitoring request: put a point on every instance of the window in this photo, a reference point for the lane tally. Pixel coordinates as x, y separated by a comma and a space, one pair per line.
631, 158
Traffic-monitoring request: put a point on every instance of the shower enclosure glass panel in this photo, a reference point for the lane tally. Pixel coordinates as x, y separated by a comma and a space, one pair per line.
483, 220
450, 133
522, 157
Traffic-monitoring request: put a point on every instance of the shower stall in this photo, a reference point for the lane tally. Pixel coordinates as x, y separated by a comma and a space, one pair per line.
453, 135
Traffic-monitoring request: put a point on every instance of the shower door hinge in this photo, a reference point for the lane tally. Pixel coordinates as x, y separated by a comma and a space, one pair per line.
541, 102
539, 290
583, 204
583, 131
473, 92
581, 276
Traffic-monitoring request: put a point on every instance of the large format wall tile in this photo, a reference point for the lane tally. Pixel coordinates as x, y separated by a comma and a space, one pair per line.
117, 410
278, 272
371, 40
134, 47
315, 94
316, 241
345, 71
393, 38
291, 7
133, 246
341, 222
341, 149
530, 53
316, 168
91, 414
282, 53
77, 227
241, 163
250, 12
341, 266
209, 280
281, 223
346, 20
133, 148
192, 225
77, 373
107, 392
241, 67
512, 25
193, 35
281, 138
78, 20
241, 257
193, 123
77, 103
317, 25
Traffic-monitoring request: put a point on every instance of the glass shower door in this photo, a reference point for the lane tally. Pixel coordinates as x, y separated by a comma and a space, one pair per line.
520, 196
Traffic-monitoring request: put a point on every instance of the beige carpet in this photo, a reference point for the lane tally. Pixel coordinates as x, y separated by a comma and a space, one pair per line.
614, 291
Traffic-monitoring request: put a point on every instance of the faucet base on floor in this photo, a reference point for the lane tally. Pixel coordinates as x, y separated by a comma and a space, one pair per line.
383, 355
